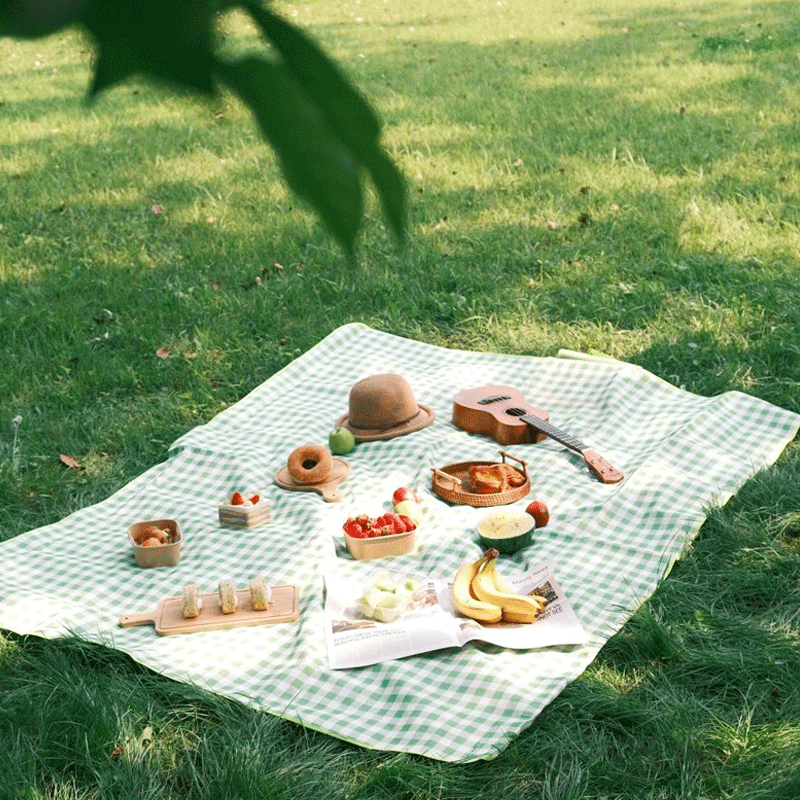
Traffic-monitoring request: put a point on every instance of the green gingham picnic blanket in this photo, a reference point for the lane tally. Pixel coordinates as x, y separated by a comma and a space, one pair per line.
610, 545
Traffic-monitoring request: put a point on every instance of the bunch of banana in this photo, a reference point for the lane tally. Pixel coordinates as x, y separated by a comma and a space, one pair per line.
479, 593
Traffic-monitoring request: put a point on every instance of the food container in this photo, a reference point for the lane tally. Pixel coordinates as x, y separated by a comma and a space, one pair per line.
240, 516
162, 555
394, 544
506, 530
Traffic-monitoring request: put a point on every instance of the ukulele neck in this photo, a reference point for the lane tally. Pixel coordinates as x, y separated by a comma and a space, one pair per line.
601, 468
554, 433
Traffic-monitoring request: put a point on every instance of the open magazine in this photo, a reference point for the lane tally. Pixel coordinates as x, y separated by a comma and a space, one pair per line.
430, 622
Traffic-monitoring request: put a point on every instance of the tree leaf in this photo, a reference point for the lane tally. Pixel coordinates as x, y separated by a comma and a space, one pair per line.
345, 110
324, 131
317, 165
30, 19
391, 186
169, 40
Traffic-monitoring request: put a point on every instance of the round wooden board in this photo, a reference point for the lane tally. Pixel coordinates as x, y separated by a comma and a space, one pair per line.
329, 488
462, 493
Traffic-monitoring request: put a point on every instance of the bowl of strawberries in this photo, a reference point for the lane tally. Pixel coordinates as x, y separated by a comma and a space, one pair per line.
389, 534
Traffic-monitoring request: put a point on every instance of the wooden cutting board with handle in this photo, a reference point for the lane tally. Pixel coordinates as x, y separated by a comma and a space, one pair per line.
329, 488
168, 615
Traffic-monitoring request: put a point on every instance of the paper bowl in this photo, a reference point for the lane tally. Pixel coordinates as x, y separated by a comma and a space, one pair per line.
395, 544
491, 537
163, 555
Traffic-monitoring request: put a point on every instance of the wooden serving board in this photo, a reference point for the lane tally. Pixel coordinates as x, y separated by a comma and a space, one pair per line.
329, 488
168, 615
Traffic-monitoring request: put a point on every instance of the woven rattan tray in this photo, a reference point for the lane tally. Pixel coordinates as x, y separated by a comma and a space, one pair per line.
452, 483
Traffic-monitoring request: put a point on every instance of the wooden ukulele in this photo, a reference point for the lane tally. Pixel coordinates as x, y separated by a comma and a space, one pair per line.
503, 413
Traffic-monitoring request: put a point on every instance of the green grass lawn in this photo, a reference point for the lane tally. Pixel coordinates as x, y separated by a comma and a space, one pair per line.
620, 177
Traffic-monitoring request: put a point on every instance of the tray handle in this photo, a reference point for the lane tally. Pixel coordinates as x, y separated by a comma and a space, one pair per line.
523, 464
447, 476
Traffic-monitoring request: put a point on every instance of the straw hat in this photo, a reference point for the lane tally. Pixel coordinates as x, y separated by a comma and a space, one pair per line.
383, 406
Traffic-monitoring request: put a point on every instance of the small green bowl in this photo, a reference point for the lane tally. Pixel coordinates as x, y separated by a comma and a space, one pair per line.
506, 531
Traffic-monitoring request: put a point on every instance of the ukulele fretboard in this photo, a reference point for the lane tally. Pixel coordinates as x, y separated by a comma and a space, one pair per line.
552, 431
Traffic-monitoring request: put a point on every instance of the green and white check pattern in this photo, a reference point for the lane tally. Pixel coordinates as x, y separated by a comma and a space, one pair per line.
610, 544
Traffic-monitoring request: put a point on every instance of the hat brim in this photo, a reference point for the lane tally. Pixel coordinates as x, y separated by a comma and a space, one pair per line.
422, 420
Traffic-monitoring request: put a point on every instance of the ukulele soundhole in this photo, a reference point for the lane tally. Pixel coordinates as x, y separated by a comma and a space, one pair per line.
516, 412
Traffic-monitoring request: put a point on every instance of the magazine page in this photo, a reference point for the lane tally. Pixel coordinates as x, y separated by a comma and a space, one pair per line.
365, 625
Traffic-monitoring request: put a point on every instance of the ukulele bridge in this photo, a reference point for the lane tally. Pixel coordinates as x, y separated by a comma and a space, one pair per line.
496, 398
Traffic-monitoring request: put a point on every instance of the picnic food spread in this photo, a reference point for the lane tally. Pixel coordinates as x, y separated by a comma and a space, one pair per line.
328, 486
341, 441
482, 483
260, 597
156, 542
237, 499
153, 536
540, 513
382, 407
366, 527
610, 545
257, 605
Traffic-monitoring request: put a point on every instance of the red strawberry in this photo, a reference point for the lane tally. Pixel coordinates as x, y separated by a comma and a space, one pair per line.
364, 521
352, 528
540, 513
386, 530
254, 499
408, 522
237, 499
382, 521
396, 522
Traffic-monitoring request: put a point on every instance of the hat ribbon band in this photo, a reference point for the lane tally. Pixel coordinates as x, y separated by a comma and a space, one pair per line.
391, 425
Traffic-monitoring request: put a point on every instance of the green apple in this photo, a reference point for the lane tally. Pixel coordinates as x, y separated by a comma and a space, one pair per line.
341, 441
409, 508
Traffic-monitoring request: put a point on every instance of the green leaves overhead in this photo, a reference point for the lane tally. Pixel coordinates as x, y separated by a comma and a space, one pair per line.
346, 114
317, 166
31, 19
170, 40
325, 134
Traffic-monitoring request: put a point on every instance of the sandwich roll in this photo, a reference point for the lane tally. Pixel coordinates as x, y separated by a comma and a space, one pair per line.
228, 599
